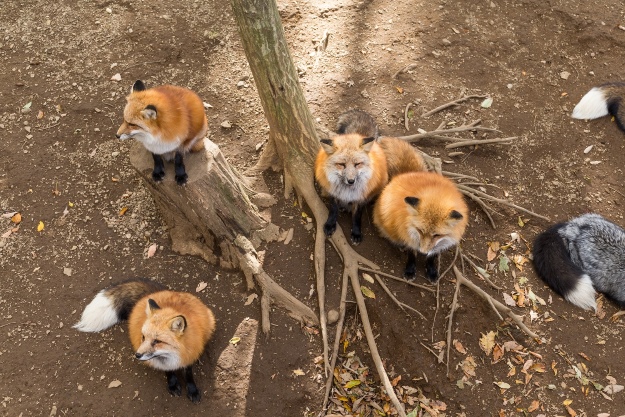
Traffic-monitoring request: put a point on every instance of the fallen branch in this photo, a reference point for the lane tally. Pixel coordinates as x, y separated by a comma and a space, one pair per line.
452, 309
406, 114
501, 141
384, 274
450, 104
405, 69
482, 274
485, 208
401, 305
419, 136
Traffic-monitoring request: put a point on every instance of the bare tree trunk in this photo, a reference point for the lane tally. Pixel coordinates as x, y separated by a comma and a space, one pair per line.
214, 217
295, 140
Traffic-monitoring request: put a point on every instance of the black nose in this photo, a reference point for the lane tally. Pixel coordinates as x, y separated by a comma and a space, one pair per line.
138, 355
350, 182
118, 136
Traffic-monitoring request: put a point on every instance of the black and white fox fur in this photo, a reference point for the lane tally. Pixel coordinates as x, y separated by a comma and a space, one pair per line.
582, 256
601, 101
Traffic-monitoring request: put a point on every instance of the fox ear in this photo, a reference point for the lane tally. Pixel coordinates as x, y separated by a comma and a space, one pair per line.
138, 86
412, 201
149, 112
327, 145
367, 143
178, 324
151, 307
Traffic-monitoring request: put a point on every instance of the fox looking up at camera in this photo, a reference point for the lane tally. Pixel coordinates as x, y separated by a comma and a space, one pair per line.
169, 121
351, 169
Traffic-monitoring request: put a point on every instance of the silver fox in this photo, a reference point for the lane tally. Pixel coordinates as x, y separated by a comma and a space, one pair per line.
580, 257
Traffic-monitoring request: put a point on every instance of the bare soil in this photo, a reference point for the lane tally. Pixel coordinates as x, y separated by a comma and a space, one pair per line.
59, 153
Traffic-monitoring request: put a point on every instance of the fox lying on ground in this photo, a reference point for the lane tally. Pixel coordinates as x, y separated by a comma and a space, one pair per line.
601, 101
579, 257
168, 330
169, 121
355, 165
423, 212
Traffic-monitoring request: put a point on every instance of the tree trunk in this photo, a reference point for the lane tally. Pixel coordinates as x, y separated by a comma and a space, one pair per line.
213, 216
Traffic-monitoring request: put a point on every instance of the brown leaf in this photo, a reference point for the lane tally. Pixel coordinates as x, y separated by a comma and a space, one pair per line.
487, 342
116, 383
497, 353
17, 218
583, 355
395, 381
534, 406
571, 412
459, 347
123, 211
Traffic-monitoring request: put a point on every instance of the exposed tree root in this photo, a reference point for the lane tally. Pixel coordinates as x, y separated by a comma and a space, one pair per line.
439, 132
501, 141
450, 104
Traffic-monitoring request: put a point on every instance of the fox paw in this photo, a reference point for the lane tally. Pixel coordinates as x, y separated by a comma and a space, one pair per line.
181, 179
158, 175
329, 229
175, 389
432, 276
194, 394
356, 238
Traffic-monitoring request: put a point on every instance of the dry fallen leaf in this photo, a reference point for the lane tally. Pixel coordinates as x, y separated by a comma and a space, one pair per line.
367, 292
507, 298
368, 278
502, 385
123, 211
487, 342
40, 226
16, 218
151, 250
534, 406
116, 383
235, 340
251, 298
201, 286
299, 372
459, 347
351, 384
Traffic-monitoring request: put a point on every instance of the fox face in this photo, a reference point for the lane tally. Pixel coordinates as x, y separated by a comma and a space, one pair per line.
141, 122
348, 166
160, 340
433, 231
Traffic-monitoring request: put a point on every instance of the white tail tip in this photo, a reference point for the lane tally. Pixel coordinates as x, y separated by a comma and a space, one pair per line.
100, 314
592, 106
583, 295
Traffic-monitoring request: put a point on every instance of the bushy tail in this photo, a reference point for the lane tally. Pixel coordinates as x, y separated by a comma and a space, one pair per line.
115, 303
553, 265
601, 101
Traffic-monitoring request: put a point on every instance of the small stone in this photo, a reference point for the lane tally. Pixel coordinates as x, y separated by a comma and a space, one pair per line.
446, 42
116, 153
67, 271
565, 75
333, 316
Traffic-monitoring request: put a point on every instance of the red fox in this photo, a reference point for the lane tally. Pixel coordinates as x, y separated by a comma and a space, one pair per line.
168, 330
423, 212
601, 101
169, 121
351, 168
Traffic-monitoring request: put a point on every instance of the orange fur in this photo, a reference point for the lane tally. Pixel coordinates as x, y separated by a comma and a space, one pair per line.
401, 156
157, 325
422, 226
180, 116
348, 149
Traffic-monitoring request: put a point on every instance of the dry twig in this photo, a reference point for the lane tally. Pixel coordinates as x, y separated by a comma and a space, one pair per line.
450, 104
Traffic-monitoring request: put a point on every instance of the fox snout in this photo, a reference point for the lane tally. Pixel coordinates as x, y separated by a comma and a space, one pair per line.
144, 356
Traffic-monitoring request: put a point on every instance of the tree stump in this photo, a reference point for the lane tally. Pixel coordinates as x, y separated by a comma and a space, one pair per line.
213, 216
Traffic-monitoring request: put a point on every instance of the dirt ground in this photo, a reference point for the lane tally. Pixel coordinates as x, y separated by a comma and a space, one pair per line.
61, 165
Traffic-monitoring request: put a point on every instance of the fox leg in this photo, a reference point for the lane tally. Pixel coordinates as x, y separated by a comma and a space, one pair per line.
431, 268
330, 226
159, 168
357, 224
181, 174
410, 273
193, 393
173, 385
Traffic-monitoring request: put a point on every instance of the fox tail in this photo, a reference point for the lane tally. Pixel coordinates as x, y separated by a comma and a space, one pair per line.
113, 304
554, 266
601, 101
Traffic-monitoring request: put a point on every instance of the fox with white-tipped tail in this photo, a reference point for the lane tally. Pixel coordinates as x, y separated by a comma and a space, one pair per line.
581, 257
601, 101
168, 330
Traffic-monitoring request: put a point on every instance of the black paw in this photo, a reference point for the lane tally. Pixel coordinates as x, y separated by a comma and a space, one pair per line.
432, 275
158, 175
194, 394
181, 179
175, 389
356, 238
329, 229
410, 273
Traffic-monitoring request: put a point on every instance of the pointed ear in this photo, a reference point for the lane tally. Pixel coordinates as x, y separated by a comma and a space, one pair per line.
138, 86
412, 201
327, 145
367, 143
455, 215
151, 307
178, 324
149, 112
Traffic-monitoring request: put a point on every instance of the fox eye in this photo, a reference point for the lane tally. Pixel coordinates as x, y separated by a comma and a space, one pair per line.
436, 236
358, 164
340, 166
142, 338
132, 125
156, 342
